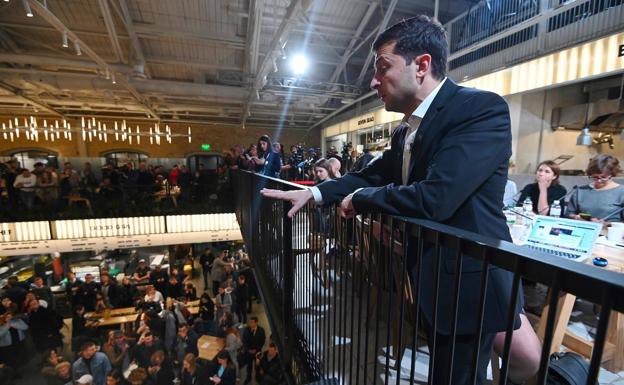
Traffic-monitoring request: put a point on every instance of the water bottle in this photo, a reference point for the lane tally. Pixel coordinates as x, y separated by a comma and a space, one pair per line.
555, 209
527, 207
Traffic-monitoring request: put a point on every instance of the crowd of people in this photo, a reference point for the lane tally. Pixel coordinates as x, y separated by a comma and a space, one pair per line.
160, 347
112, 191
269, 158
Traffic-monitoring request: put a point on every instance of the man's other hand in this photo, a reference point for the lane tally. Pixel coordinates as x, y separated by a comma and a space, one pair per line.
346, 207
298, 198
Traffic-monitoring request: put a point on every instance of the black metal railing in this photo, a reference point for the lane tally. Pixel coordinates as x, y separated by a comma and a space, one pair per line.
343, 307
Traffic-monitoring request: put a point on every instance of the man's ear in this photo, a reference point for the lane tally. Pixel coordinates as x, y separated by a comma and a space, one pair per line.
423, 64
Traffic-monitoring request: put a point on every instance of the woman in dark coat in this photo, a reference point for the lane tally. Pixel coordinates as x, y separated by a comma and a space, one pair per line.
226, 373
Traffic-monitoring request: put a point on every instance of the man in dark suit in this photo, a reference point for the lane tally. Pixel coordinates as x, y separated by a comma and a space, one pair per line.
253, 341
363, 160
447, 163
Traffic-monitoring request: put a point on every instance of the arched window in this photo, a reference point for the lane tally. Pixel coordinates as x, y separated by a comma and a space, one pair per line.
121, 157
29, 156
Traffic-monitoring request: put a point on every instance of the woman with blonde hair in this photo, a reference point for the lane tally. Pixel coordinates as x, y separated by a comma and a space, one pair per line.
189, 370
233, 344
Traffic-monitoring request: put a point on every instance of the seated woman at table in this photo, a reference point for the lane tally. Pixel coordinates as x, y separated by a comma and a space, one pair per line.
100, 303
190, 293
226, 373
545, 190
602, 197
153, 295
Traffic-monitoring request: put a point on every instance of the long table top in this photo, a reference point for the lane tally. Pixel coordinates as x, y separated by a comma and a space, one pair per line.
129, 314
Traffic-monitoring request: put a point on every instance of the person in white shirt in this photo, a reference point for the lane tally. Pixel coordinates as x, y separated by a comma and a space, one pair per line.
153, 295
511, 192
26, 183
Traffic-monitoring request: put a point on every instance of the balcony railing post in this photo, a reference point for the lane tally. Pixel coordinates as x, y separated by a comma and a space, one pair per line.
288, 273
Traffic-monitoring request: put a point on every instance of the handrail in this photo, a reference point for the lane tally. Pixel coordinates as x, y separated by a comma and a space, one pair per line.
291, 258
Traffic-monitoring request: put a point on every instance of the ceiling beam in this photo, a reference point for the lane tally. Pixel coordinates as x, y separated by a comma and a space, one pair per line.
186, 62
18, 93
382, 27
347, 53
55, 61
159, 31
8, 41
110, 28
254, 29
294, 12
56, 23
139, 56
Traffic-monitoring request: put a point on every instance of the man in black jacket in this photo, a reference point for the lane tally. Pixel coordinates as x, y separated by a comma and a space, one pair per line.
268, 368
253, 341
447, 163
205, 260
45, 326
86, 292
241, 296
363, 160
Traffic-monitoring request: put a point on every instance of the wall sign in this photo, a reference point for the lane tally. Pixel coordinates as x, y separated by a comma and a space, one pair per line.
368, 119
621, 50
108, 227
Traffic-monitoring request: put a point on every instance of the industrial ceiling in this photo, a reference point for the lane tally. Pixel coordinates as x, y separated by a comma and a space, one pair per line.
193, 61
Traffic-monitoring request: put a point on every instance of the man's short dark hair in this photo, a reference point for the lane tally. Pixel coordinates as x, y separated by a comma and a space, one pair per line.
416, 36
86, 345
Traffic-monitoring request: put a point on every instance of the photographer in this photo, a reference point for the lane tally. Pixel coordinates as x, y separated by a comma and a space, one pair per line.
291, 169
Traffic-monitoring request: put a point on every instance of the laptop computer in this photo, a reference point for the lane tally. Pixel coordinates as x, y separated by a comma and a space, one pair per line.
563, 237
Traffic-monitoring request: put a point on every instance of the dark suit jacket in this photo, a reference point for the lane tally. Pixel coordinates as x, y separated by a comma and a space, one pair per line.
457, 177
251, 341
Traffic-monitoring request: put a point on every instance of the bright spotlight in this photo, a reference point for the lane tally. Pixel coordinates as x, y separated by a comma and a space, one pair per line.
299, 64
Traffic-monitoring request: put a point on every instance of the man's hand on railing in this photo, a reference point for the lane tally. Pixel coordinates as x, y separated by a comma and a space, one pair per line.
298, 198
346, 207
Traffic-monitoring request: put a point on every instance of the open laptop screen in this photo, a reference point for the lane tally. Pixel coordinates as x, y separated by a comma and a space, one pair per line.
567, 234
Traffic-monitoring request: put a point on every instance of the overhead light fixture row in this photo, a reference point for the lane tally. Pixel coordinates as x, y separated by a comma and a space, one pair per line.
90, 129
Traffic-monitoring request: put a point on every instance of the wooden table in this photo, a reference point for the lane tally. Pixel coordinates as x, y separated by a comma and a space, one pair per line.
613, 354
209, 347
125, 315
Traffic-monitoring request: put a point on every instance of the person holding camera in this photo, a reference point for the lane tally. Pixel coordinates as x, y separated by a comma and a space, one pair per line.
145, 347
268, 370
12, 338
